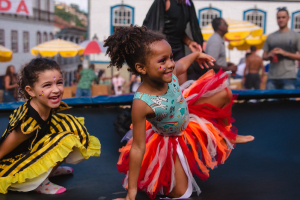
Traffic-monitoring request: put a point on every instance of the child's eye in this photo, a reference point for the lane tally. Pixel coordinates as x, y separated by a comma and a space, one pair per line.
47, 85
162, 60
60, 82
172, 57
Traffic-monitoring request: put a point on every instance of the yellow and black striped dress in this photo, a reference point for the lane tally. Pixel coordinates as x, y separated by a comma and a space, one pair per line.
57, 139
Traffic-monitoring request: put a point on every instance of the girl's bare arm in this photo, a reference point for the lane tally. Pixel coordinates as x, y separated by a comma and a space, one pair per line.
14, 139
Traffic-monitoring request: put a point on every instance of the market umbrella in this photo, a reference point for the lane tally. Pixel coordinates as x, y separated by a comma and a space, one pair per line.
237, 30
245, 44
92, 47
53, 47
5, 54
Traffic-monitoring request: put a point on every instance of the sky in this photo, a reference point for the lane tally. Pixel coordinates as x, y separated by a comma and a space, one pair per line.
83, 5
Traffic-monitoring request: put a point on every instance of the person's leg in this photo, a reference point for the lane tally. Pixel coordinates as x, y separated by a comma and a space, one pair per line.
47, 187
78, 92
248, 82
289, 84
8, 97
256, 83
222, 99
271, 85
298, 79
86, 93
181, 179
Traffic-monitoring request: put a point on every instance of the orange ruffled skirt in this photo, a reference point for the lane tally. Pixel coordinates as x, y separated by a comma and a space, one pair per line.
205, 143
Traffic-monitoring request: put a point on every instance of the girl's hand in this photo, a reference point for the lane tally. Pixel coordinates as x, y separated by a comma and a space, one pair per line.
130, 195
203, 59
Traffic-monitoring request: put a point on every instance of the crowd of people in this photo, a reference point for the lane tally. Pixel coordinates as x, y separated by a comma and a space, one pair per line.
281, 50
178, 130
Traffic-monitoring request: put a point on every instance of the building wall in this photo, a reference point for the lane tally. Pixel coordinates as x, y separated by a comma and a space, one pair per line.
30, 24
100, 16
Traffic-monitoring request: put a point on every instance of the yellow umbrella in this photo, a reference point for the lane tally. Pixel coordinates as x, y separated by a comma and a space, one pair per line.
53, 47
5, 54
237, 30
245, 44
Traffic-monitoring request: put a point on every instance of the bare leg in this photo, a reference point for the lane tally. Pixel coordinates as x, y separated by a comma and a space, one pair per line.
181, 180
222, 99
54, 169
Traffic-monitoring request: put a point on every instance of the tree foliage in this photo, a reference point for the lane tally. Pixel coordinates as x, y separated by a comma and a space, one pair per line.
68, 16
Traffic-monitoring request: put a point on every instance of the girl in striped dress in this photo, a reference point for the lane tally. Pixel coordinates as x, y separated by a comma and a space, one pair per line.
38, 138
174, 134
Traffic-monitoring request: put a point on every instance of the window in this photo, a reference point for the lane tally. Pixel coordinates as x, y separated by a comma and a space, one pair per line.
45, 37
256, 16
38, 38
296, 21
121, 15
14, 41
206, 15
25, 41
51, 37
2, 37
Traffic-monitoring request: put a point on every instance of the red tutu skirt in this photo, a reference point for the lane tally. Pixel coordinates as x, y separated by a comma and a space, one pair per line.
205, 143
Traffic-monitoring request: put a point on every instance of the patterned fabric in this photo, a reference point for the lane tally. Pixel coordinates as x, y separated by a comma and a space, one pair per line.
204, 143
54, 140
171, 111
87, 76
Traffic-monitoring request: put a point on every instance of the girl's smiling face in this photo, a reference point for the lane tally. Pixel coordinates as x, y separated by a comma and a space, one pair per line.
49, 89
160, 64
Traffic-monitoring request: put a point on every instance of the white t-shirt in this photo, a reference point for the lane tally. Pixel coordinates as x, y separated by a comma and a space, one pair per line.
240, 69
118, 82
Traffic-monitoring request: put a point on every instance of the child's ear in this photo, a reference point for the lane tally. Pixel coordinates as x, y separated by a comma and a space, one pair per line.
29, 90
140, 68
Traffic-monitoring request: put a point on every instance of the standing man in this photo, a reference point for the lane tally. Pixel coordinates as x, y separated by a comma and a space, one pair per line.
171, 17
215, 46
86, 78
281, 49
254, 63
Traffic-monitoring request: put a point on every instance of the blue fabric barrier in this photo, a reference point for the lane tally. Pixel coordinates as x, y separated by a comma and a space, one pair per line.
127, 98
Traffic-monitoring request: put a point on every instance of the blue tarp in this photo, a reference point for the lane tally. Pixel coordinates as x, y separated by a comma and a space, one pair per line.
127, 98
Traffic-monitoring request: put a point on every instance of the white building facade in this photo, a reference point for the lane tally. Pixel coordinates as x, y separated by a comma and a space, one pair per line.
20, 33
105, 15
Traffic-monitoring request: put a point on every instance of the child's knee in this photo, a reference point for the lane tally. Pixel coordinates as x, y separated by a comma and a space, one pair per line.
226, 95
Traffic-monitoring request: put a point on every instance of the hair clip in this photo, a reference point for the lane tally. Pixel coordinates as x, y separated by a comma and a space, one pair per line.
42, 94
281, 8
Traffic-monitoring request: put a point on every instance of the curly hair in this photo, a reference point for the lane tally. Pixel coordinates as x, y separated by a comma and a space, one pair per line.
30, 73
130, 45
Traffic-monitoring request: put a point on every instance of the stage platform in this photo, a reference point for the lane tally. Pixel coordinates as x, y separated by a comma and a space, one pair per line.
265, 169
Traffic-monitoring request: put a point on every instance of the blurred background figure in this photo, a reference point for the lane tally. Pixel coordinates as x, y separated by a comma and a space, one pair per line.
254, 64
77, 76
134, 83
172, 17
10, 83
102, 79
239, 74
86, 78
215, 46
118, 82
281, 49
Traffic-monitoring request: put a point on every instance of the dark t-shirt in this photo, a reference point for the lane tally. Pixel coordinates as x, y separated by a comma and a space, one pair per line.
176, 19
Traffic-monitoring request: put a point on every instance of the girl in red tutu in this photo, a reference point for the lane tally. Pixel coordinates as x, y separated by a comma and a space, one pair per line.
175, 133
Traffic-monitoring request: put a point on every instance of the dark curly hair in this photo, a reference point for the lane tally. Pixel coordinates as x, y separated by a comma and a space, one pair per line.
30, 73
130, 45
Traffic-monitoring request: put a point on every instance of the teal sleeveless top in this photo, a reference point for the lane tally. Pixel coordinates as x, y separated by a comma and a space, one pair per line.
171, 111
